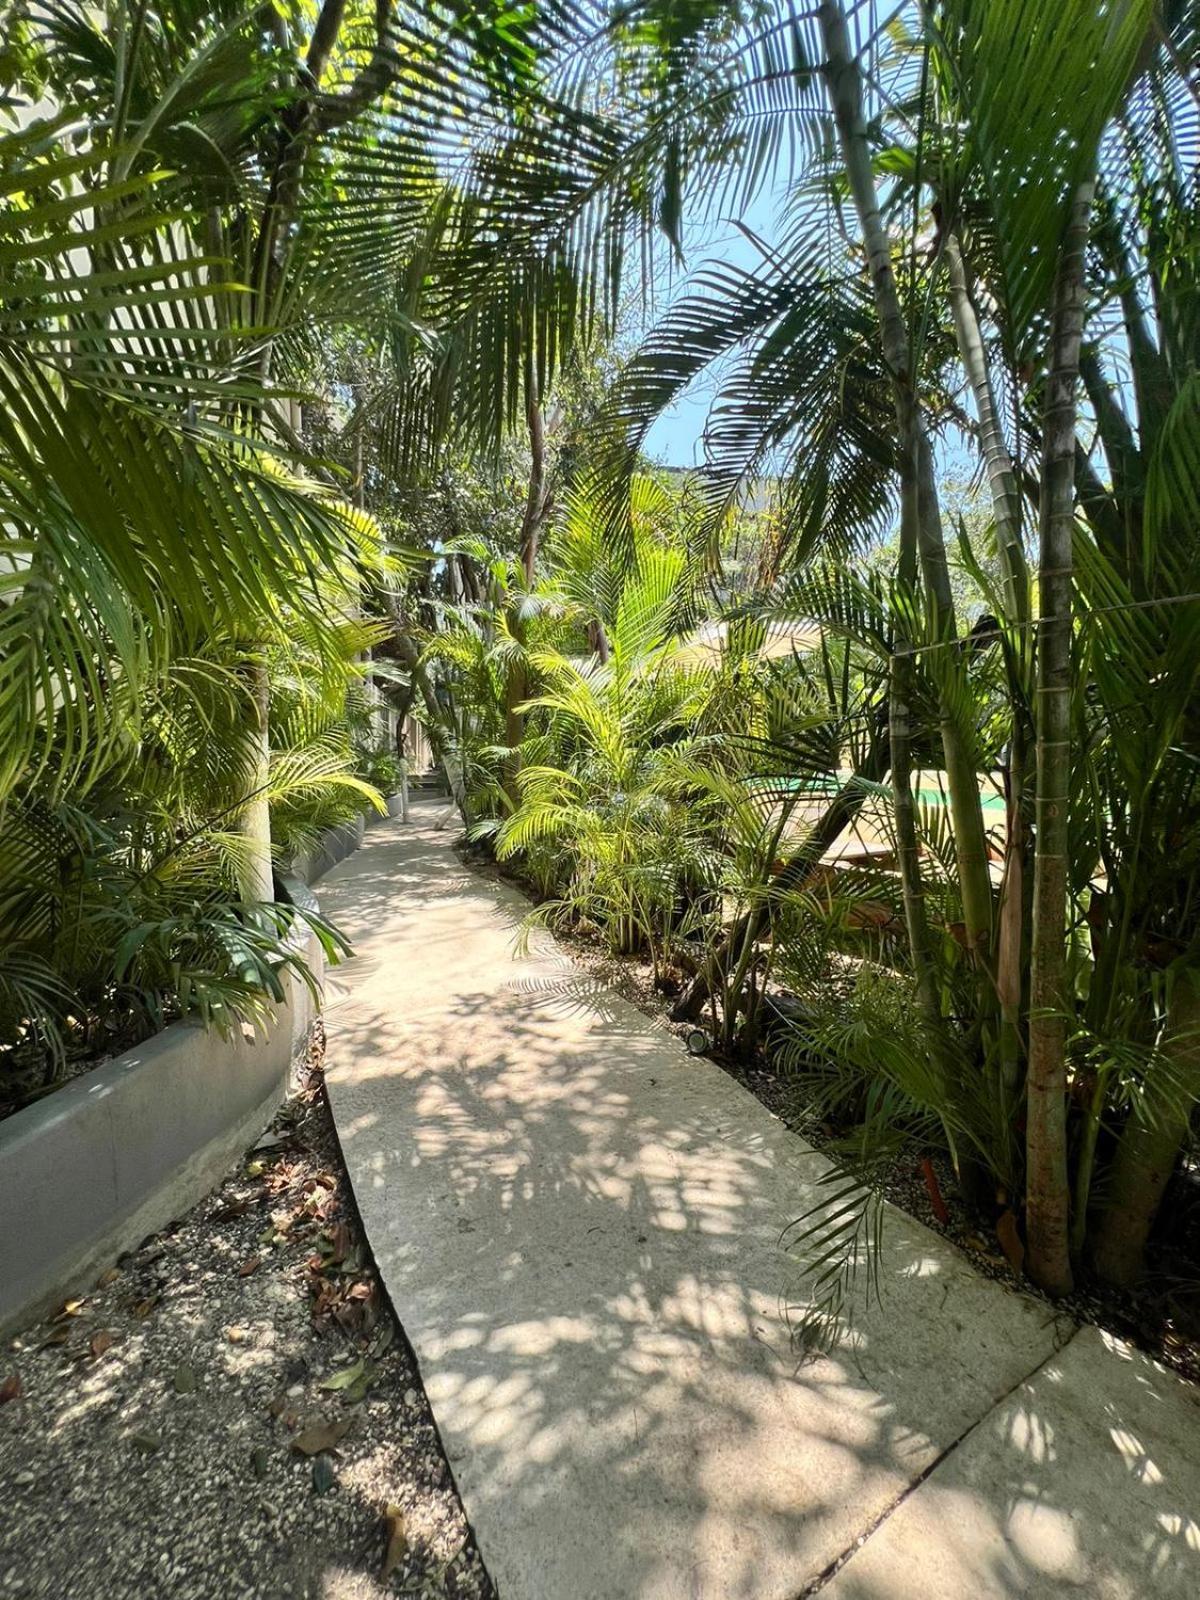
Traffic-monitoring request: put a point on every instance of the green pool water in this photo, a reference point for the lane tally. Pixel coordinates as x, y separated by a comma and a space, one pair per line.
926, 797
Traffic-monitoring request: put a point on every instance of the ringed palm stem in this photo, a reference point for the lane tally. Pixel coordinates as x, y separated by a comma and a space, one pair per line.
1047, 1187
920, 526
1150, 1143
1006, 513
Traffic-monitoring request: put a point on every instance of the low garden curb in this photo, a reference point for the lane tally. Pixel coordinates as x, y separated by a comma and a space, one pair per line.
93, 1168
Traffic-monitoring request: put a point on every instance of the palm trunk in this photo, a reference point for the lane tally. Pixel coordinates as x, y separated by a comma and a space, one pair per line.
598, 641
1150, 1145
1002, 480
920, 526
1010, 941
908, 855
256, 878
796, 874
516, 687
1047, 1191
1006, 514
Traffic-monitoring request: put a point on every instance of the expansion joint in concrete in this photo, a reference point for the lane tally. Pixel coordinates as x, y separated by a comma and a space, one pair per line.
927, 1472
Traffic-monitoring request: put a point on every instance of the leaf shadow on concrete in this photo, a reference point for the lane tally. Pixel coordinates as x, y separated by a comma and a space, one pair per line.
579, 1226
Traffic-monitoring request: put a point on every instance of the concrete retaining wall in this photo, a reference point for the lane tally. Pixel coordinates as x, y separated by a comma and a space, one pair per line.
116, 1154
334, 846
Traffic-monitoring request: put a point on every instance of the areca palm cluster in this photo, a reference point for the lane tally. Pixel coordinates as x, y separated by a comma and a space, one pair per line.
433, 214
180, 587
989, 249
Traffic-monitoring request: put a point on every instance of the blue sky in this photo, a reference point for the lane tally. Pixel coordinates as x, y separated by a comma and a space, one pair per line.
675, 438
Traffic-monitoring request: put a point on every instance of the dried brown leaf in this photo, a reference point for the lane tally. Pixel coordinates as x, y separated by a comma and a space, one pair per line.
323, 1433
395, 1541
1011, 1243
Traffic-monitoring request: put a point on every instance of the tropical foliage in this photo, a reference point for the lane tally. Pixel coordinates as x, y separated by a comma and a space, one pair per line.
315, 342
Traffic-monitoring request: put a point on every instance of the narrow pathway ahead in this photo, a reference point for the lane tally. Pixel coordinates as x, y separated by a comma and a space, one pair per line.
579, 1228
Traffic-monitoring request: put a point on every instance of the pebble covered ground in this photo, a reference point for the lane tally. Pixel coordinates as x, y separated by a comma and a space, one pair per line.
233, 1413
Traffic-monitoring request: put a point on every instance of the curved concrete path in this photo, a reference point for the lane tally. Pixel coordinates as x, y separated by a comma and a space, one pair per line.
579, 1228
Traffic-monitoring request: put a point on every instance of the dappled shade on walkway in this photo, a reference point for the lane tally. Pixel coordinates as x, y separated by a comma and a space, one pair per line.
579, 1226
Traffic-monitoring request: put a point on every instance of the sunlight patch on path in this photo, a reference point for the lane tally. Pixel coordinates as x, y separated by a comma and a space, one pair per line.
579, 1227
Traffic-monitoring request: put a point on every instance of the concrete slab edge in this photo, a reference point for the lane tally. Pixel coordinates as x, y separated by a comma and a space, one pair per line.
826, 1577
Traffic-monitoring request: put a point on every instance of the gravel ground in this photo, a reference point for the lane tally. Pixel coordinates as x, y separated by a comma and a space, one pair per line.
233, 1413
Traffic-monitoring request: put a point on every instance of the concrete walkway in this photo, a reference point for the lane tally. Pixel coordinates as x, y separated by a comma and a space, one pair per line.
579, 1228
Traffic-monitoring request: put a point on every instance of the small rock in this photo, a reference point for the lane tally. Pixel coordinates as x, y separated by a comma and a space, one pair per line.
295, 1391
184, 1379
24, 1479
410, 1397
145, 1443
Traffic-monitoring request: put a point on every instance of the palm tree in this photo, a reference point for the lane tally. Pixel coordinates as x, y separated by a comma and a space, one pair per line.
970, 179
168, 245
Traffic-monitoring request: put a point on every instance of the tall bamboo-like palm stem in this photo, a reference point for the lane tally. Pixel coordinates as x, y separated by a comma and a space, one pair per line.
537, 505
1047, 1190
1006, 514
1151, 1142
1002, 479
920, 522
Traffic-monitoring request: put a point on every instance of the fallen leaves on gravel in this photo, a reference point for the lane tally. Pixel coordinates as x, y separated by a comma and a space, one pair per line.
10, 1389
395, 1541
321, 1435
101, 1342
250, 1265
344, 1379
352, 1383
324, 1475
